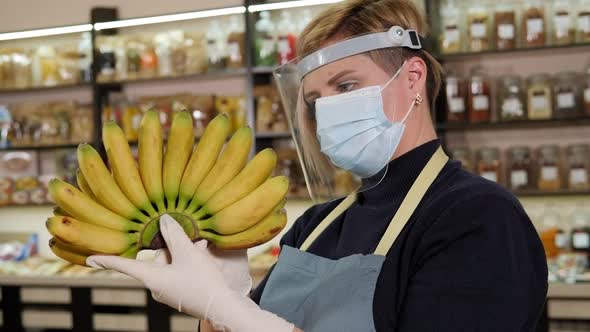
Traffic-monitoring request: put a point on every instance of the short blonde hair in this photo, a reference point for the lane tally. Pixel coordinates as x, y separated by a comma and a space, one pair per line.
357, 17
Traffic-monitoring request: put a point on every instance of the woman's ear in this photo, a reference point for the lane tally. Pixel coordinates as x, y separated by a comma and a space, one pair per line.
417, 74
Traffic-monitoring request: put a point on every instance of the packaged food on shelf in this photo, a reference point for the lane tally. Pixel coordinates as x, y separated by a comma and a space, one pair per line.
464, 156
583, 22
566, 91
265, 44
177, 52
163, 54
121, 68
533, 24
68, 61
488, 164
236, 43
552, 235
456, 90
270, 117
564, 31
578, 159
549, 168
106, 59
451, 36
511, 99
288, 165
195, 47
478, 98
580, 234
286, 39
134, 49
15, 68
539, 97
215, 46
586, 87
5, 126
85, 60
520, 169
478, 36
6, 190
235, 107
505, 27
148, 60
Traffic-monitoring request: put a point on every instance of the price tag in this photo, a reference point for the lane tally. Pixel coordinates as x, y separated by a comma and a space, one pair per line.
534, 26
506, 31
587, 95
512, 106
562, 25
578, 176
492, 176
481, 103
452, 35
518, 178
478, 30
584, 23
457, 105
581, 241
560, 240
549, 173
566, 100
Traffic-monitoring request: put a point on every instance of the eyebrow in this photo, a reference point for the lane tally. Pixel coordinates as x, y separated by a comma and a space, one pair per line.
331, 81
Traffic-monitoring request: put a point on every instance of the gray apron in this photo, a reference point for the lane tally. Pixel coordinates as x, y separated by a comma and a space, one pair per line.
321, 294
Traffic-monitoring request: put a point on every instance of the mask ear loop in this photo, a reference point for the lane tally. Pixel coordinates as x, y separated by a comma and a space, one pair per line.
393, 78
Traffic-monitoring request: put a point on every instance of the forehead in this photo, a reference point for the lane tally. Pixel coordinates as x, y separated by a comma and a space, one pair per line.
359, 62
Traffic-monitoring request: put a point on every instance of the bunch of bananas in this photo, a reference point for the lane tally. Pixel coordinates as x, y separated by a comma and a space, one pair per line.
213, 192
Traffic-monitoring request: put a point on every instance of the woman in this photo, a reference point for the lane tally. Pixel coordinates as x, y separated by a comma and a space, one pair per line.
418, 245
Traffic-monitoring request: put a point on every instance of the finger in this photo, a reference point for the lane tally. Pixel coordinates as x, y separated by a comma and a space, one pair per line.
177, 241
137, 269
162, 256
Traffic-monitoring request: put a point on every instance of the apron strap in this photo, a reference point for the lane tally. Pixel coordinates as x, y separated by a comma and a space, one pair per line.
345, 204
411, 201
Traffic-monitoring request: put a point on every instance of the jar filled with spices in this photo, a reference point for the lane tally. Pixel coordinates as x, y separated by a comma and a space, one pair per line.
478, 28
134, 50
564, 31
464, 156
478, 98
236, 39
533, 24
549, 178
48, 66
505, 27
455, 89
450, 39
177, 52
552, 236
583, 22
539, 97
488, 164
511, 99
580, 237
520, 169
586, 86
148, 60
566, 92
578, 159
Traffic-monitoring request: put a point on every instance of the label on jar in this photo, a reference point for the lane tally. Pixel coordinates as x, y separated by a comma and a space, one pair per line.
560, 240
213, 51
452, 35
481, 103
565, 100
519, 178
506, 31
584, 23
233, 50
457, 105
512, 106
492, 176
478, 30
267, 48
562, 25
534, 26
578, 176
539, 102
549, 173
587, 95
581, 241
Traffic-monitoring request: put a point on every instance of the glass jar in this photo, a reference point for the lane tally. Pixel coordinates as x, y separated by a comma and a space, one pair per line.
236, 43
511, 99
148, 61
163, 53
455, 89
177, 52
488, 164
134, 50
578, 159
549, 178
478, 39
583, 22
505, 27
48, 64
564, 31
21, 69
265, 44
215, 46
520, 169
450, 39
539, 97
533, 24
464, 156
587, 91
286, 39
552, 235
566, 91
580, 236
478, 99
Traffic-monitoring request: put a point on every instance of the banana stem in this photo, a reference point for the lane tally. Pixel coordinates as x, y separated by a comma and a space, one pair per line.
161, 207
199, 214
192, 207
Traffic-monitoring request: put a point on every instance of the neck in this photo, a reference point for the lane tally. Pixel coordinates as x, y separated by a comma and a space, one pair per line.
419, 130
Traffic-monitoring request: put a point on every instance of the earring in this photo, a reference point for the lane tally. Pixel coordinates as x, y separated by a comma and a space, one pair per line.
418, 100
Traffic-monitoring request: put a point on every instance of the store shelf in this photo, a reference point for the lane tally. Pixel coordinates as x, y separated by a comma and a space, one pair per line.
538, 193
273, 135
578, 121
463, 55
40, 147
45, 88
213, 75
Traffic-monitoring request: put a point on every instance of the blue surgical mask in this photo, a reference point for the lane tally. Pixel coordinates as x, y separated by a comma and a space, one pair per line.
354, 131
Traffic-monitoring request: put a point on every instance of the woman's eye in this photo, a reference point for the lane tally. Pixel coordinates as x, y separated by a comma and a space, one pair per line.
346, 87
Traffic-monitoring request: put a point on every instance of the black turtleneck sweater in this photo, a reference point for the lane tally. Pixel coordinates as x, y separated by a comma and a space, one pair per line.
469, 258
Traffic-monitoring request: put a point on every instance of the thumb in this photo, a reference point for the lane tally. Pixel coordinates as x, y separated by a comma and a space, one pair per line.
177, 241
139, 270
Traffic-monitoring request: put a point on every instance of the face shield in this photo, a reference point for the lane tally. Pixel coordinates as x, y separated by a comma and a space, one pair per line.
334, 134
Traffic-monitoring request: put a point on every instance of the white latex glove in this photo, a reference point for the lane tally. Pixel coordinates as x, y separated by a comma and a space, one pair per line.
194, 284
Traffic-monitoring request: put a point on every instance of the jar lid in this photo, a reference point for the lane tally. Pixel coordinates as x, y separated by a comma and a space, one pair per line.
549, 151
489, 154
582, 149
541, 77
520, 152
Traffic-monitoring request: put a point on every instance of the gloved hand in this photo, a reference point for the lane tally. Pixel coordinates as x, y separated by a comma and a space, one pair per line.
194, 284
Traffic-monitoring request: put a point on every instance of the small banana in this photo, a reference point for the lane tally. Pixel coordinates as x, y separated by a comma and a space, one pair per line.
178, 151
253, 175
249, 210
76, 204
203, 158
104, 186
258, 234
150, 149
230, 163
90, 237
57, 211
69, 253
83, 185
123, 166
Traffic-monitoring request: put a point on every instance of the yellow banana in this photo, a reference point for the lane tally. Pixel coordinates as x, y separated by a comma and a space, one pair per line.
178, 151
104, 186
123, 166
69, 253
249, 210
83, 185
57, 211
78, 205
203, 158
258, 234
90, 237
150, 158
252, 176
230, 163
